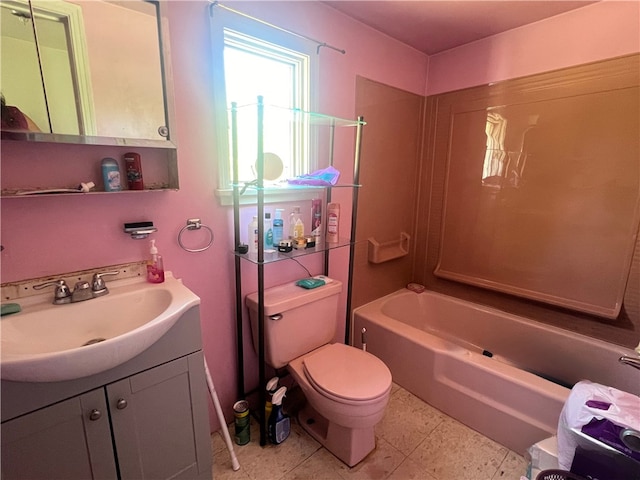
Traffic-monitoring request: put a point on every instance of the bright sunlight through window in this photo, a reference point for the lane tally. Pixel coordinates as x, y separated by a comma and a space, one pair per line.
252, 68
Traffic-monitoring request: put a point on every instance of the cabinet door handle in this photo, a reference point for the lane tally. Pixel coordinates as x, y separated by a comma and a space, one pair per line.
95, 415
121, 404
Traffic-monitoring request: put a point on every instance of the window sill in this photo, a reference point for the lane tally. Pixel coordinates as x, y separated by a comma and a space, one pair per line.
250, 197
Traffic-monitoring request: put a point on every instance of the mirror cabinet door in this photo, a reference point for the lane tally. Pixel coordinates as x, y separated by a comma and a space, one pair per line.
21, 82
100, 71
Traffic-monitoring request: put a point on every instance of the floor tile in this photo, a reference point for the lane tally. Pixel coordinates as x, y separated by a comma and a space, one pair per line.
321, 465
410, 470
454, 451
407, 421
511, 468
378, 465
272, 462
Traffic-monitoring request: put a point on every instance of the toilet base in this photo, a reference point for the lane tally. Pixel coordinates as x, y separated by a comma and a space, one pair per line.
351, 445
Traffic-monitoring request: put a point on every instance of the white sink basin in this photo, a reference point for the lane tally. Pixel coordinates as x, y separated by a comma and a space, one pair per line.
48, 343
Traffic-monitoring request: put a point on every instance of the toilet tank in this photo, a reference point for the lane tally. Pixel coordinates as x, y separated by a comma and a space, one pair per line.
297, 320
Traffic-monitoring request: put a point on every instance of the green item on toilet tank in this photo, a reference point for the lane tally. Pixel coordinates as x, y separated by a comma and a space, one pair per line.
310, 283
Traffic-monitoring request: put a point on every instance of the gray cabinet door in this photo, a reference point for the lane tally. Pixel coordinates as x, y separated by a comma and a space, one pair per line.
157, 433
68, 440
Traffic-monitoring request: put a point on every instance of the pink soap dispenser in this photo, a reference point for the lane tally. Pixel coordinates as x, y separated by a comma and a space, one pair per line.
155, 270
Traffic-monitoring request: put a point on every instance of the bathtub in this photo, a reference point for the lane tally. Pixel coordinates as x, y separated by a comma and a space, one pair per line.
503, 375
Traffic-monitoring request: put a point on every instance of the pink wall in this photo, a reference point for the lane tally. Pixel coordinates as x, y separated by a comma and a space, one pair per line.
606, 29
45, 236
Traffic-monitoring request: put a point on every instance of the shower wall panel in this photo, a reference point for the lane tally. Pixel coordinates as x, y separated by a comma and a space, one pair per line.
534, 192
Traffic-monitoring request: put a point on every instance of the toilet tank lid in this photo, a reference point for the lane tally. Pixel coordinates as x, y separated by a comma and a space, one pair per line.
286, 297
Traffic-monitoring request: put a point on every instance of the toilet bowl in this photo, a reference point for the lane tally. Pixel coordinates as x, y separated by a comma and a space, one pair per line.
346, 389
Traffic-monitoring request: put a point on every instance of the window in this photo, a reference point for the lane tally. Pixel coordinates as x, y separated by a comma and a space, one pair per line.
251, 59
495, 156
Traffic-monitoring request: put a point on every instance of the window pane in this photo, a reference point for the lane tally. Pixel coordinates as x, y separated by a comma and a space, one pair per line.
248, 75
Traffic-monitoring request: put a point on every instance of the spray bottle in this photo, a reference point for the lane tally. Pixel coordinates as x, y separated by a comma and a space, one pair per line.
155, 269
279, 423
272, 387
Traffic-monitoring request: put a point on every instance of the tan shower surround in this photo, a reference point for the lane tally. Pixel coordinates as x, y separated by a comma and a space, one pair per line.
406, 144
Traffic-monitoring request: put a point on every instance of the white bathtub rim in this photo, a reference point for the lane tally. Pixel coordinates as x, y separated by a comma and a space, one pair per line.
617, 349
603, 358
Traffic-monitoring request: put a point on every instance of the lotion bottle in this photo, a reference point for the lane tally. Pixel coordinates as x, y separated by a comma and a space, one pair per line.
252, 241
333, 222
279, 422
155, 269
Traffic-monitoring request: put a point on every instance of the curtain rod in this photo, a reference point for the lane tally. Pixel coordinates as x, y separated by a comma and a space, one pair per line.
216, 3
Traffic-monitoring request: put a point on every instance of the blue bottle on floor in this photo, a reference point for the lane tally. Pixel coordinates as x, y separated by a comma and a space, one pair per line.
279, 422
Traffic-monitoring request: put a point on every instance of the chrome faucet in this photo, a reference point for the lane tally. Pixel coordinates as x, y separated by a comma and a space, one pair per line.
632, 361
61, 294
98, 287
82, 290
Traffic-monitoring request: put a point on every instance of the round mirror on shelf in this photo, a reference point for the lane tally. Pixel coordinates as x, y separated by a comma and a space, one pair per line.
273, 167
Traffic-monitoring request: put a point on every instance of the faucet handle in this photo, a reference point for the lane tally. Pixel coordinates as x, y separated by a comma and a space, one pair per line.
98, 286
61, 294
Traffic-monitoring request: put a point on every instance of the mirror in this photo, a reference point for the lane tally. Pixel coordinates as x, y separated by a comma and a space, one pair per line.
85, 72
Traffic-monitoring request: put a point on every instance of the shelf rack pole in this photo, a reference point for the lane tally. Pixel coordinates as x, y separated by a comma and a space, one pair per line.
354, 217
236, 235
332, 132
261, 350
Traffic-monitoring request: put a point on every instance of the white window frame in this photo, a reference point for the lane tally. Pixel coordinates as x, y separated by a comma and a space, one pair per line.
239, 25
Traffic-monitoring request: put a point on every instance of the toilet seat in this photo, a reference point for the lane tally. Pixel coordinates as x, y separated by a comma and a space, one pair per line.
347, 374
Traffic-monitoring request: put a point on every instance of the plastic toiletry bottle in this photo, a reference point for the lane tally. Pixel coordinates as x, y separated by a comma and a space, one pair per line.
279, 422
333, 222
155, 269
111, 175
252, 240
278, 227
272, 387
133, 168
296, 226
316, 219
268, 232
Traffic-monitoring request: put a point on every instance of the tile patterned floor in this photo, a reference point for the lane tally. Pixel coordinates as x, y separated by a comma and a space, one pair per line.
414, 442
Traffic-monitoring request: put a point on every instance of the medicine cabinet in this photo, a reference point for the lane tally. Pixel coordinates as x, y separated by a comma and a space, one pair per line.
323, 136
87, 72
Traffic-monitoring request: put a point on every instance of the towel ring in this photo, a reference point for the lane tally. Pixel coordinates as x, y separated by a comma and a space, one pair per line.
194, 224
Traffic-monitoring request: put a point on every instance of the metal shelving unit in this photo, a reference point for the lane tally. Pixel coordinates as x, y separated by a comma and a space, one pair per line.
306, 120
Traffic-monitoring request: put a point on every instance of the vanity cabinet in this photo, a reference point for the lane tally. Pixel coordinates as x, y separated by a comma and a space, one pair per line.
152, 424
65, 440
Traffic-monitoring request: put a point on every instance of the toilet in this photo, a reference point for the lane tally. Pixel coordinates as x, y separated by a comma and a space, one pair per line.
347, 389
